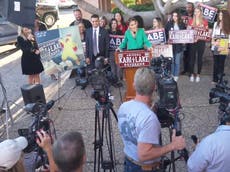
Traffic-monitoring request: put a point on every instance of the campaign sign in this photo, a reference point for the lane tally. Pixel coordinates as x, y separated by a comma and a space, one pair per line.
209, 12
222, 47
181, 36
165, 50
156, 36
202, 34
115, 41
127, 59
60, 49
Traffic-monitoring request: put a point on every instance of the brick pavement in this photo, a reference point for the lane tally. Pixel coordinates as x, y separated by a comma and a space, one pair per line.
78, 113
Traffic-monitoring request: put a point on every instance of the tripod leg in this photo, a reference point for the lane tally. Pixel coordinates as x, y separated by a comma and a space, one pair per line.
95, 137
98, 140
172, 153
114, 113
111, 145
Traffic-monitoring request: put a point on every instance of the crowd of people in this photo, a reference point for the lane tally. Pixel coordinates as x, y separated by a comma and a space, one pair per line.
138, 124
135, 39
94, 34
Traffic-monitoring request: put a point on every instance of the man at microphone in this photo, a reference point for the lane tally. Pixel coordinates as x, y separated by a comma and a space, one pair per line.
140, 128
135, 38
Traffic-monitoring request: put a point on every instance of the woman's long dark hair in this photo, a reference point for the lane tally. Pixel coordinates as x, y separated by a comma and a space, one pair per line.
226, 22
178, 17
122, 18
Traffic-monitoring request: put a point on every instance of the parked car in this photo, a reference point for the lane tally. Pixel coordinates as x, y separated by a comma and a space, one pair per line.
8, 32
48, 13
67, 4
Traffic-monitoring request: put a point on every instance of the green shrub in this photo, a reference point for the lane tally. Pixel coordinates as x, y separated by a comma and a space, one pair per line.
115, 10
129, 2
142, 7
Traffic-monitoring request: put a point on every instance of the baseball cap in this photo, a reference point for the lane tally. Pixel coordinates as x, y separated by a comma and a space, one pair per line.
10, 151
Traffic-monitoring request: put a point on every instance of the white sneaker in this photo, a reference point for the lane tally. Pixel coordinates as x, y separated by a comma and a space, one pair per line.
191, 78
197, 79
175, 78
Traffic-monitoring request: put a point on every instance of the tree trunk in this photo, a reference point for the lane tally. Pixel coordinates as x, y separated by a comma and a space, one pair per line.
161, 9
228, 6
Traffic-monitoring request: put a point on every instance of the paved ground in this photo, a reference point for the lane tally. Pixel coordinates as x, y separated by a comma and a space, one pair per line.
78, 109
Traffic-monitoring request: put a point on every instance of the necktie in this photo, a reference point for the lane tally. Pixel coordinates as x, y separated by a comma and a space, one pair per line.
95, 42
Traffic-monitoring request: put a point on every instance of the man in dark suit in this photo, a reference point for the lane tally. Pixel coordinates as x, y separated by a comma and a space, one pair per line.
78, 19
97, 42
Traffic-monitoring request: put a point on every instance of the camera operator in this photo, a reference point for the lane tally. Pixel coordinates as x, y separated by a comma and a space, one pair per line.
44, 141
212, 154
12, 157
140, 128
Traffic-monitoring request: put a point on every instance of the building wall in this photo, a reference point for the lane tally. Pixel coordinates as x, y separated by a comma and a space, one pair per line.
87, 15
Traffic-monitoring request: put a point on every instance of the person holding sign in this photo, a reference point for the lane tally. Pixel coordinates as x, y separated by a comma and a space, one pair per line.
114, 31
120, 22
220, 41
188, 15
198, 47
135, 38
175, 24
157, 23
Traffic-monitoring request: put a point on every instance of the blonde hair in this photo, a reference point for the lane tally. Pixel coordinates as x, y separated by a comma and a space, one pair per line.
198, 21
23, 34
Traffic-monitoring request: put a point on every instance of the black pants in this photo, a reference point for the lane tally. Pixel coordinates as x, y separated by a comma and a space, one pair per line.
218, 66
196, 50
186, 58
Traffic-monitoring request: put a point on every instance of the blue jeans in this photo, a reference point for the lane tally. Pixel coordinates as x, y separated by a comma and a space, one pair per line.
131, 167
176, 63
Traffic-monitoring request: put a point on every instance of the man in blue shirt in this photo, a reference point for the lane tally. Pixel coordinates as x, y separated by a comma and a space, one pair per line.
212, 154
140, 128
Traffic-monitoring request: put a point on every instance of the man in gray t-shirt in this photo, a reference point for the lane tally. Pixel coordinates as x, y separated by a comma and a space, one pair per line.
140, 128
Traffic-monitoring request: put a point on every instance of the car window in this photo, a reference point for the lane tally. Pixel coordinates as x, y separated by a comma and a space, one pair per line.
3, 8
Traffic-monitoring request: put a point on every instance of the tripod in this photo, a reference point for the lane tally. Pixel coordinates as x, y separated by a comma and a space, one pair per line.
174, 122
103, 130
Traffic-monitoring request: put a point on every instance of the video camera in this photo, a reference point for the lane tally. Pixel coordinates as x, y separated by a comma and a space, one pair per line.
168, 106
40, 121
167, 90
220, 94
101, 78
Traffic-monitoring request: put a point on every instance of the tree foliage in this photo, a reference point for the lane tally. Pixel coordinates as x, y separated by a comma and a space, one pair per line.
161, 8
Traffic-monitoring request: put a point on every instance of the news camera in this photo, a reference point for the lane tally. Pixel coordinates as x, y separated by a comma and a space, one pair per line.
220, 94
167, 108
40, 121
167, 90
101, 78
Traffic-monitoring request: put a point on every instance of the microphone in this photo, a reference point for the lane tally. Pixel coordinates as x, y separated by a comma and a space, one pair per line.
50, 104
134, 33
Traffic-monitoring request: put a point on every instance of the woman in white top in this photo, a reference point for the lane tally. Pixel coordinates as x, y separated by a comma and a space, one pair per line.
217, 49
